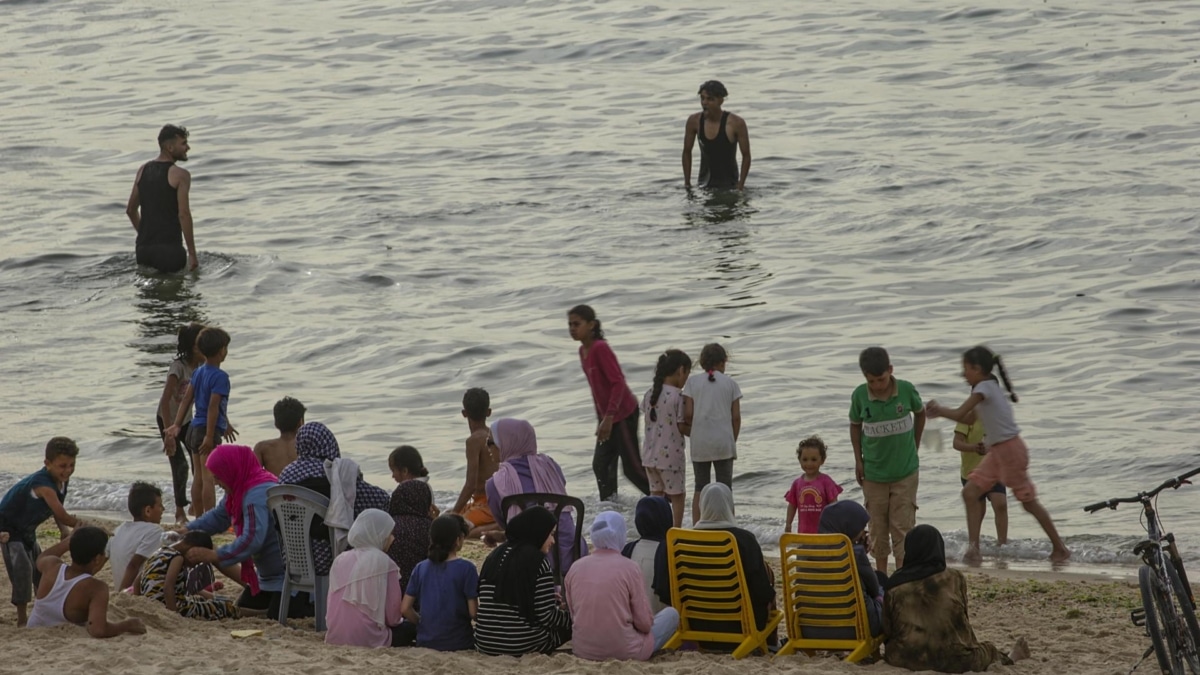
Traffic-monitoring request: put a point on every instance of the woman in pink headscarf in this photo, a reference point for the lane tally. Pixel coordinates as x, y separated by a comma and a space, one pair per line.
523, 470
244, 506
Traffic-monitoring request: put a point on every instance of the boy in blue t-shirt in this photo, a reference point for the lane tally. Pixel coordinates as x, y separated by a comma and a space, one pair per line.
209, 389
30, 502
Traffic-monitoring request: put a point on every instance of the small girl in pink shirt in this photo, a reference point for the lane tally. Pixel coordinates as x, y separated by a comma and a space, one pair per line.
813, 491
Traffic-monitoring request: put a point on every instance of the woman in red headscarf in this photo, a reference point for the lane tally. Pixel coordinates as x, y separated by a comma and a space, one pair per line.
253, 559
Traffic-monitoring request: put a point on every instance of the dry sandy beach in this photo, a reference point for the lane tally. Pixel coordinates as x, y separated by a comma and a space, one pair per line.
1074, 624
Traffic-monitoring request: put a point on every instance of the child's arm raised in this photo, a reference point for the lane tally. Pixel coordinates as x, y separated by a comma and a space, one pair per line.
958, 414
61, 517
98, 625
173, 570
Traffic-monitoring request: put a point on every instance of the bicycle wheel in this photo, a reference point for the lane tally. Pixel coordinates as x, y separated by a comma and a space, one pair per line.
1153, 603
1189, 630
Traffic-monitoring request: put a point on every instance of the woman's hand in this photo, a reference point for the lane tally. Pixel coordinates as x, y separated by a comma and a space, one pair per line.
197, 555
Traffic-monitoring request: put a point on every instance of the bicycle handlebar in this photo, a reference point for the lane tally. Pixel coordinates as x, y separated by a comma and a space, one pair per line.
1173, 483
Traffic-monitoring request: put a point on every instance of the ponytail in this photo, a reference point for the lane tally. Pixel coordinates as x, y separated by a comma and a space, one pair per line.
443, 536
588, 314
712, 356
1004, 378
986, 360
669, 362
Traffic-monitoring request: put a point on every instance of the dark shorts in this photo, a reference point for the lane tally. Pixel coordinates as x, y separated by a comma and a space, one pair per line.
998, 488
195, 438
703, 471
165, 258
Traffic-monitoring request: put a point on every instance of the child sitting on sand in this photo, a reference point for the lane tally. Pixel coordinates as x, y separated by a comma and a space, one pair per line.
31, 501
813, 491
277, 453
133, 543
364, 588
72, 593
406, 464
164, 578
441, 597
482, 461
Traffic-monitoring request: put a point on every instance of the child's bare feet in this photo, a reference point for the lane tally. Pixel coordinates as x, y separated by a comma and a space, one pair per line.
973, 557
1020, 650
1059, 555
180, 517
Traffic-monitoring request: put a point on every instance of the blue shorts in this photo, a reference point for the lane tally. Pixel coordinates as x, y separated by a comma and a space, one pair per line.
998, 488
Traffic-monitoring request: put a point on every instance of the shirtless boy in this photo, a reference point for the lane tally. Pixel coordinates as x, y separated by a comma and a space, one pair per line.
482, 462
277, 453
721, 134
72, 593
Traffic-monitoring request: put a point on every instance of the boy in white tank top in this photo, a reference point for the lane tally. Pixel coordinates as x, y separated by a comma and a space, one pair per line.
71, 593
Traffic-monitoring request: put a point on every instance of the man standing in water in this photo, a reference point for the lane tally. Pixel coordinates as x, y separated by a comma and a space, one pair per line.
720, 133
161, 191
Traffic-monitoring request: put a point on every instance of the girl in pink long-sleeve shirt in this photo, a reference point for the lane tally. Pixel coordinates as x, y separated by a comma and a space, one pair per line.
616, 408
365, 595
610, 613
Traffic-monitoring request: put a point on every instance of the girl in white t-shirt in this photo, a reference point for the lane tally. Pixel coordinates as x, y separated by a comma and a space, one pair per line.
713, 414
1006, 459
664, 454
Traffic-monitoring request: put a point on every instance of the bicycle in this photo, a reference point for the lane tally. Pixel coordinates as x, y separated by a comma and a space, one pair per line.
1168, 605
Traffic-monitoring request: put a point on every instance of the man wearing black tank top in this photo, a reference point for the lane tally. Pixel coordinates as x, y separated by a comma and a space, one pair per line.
720, 134
158, 206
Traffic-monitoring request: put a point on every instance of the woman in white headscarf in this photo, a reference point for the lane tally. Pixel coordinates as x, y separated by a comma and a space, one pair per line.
716, 513
610, 613
364, 587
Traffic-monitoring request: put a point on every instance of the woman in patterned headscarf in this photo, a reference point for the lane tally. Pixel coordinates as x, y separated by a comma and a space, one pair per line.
316, 444
409, 510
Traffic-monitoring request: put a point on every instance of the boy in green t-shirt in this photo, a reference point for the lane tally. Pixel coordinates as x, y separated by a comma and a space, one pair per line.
887, 418
968, 440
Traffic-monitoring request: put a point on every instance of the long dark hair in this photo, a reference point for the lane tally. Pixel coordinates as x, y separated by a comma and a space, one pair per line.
712, 356
669, 362
444, 534
514, 568
187, 341
986, 359
586, 313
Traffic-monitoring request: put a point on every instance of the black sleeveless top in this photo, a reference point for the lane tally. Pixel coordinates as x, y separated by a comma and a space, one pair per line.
718, 158
160, 207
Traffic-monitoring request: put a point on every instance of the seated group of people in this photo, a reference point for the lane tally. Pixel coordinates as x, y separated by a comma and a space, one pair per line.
401, 582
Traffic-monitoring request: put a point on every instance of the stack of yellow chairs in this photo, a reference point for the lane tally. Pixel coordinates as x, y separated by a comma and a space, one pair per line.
707, 585
821, 590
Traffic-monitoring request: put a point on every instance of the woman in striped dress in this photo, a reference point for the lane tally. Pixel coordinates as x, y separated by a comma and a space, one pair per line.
519, 610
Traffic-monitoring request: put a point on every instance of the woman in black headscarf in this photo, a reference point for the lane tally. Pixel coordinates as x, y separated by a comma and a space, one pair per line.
519, 610
653, 518
850, 518
925, 613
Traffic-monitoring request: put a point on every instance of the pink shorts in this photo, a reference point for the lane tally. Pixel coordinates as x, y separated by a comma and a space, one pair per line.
667, 481
1007, 463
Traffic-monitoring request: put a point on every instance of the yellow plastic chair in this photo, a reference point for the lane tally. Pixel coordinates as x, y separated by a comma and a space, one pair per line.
708, 584
821, 589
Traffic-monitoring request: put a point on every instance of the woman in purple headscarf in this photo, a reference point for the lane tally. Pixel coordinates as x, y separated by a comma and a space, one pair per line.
523, 470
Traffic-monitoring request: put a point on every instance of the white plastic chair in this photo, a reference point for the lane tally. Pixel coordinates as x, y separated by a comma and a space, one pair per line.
293, 509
